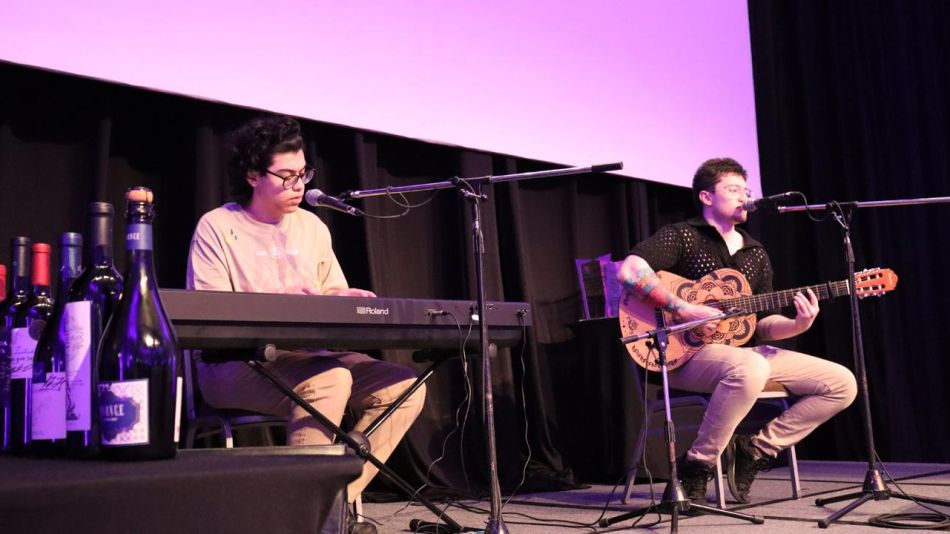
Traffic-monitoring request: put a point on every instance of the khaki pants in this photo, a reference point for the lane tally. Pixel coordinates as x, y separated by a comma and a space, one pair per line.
329, 381
736, 375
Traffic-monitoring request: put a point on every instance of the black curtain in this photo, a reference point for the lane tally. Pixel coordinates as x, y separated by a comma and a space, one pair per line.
65, 141
853, 103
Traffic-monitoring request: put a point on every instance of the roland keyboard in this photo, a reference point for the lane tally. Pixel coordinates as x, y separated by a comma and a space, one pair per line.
230, 320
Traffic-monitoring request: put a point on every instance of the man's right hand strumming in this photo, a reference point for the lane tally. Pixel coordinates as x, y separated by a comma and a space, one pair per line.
693, 312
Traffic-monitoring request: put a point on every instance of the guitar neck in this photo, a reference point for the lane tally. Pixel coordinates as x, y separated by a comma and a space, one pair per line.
784, 299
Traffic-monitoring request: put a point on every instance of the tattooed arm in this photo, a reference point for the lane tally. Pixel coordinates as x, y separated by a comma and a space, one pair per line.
638, 278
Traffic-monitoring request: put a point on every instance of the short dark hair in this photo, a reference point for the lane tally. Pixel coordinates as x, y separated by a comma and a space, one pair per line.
253, 146
709, 173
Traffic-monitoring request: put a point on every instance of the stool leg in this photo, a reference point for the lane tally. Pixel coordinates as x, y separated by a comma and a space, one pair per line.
717, 480
793, 465
628, 488
793, 473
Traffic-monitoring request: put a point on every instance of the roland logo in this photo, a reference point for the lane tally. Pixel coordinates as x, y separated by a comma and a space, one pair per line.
369, 310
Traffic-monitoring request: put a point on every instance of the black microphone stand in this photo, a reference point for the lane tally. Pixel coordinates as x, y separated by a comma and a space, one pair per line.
470, 188
674, 499
874, 486
357, 442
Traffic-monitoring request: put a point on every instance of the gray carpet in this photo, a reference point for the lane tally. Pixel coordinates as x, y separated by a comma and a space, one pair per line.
579, 510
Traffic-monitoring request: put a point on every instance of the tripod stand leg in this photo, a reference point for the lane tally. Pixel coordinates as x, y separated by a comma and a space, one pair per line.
838, 498
757, 519
629, 515
823, 523
873, 485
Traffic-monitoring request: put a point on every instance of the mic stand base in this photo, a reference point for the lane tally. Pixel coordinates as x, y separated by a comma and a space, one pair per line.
675, 503
874, 488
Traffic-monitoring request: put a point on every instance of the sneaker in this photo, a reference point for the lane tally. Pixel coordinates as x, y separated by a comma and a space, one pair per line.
742, 466
694, 475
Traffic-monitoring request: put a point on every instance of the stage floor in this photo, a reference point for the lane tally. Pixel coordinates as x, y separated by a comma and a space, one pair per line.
569, 511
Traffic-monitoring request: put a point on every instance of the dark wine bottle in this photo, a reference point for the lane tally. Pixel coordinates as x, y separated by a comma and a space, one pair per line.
48, 414
17, 299
93, 298
26, 327
139, 355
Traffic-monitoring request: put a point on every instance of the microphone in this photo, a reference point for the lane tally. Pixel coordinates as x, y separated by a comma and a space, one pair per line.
318, 198
754, 204
263, 353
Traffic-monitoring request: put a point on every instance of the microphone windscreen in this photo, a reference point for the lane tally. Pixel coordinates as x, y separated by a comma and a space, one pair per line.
312, 196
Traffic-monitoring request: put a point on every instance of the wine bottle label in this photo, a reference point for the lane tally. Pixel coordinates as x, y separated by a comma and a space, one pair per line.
49, 407
138, 237
77, 327
178, 409
123, 413
4, 366
22, 347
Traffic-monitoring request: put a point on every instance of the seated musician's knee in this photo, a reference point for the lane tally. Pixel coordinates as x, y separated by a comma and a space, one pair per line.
386, 395
845, 388
418, 398
336, 382
751, 374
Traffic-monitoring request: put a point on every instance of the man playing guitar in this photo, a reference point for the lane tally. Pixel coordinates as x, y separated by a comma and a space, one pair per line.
734, 376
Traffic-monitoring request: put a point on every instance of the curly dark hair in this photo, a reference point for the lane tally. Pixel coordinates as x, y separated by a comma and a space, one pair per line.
709, 173
253, 146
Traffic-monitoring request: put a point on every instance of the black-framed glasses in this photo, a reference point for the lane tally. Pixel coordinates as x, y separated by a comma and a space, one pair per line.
736, 190
290, 181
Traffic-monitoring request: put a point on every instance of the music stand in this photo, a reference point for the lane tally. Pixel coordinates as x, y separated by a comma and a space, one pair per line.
874, 486
674, 499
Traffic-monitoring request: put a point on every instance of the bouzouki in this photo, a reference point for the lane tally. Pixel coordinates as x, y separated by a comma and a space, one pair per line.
724, 289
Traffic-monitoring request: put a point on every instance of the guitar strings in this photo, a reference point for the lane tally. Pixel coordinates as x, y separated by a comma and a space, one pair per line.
781, 299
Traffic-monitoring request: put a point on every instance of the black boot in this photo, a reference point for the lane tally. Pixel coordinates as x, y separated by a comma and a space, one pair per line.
694, 475
353, 523
743, 460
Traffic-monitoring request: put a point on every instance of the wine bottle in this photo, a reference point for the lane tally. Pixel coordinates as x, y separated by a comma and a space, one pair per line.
92, 299
26, 327
4, 373
139, 355
18, 298
48, 414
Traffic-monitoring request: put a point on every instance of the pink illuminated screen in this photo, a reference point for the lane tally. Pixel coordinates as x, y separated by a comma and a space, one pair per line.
659, 85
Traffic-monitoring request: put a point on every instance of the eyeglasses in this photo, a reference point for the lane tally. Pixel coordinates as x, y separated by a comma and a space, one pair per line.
290, 181
734, 190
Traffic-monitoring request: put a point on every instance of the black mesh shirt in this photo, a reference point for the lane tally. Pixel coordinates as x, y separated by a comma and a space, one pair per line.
693, 249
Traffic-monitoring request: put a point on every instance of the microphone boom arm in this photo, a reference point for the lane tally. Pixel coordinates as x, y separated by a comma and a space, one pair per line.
478, 180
